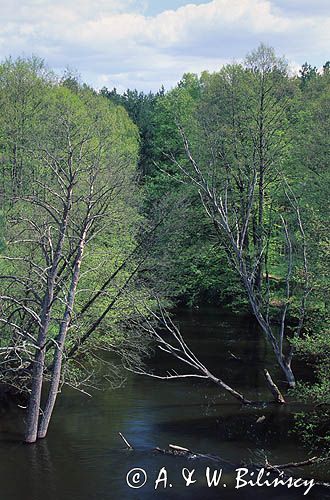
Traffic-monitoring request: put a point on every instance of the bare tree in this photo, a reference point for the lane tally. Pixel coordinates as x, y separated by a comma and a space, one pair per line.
234, 152
168, 338
232, 233
80, 193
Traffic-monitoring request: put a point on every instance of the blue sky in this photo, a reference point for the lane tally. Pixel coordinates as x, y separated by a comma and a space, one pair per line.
146, 43
155, 7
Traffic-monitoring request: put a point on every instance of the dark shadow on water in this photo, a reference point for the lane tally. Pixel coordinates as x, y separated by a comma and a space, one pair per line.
83, 457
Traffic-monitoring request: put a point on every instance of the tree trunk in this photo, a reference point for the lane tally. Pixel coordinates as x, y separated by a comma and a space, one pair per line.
35, 397
265, 327
286, 367
39, 361
232, 391
273, 388
58, 356
261, 196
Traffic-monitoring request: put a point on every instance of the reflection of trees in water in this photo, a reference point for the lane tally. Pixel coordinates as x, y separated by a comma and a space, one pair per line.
42, 475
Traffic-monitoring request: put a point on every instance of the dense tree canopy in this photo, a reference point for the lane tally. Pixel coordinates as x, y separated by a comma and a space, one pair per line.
70, 224
249, 127
215, 191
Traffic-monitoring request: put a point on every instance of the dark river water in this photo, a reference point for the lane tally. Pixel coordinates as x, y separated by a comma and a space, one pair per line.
83, 457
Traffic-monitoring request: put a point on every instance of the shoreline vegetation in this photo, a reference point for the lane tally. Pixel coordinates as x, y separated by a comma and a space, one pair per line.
115, 208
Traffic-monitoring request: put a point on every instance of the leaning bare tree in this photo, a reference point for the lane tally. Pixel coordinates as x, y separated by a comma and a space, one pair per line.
158, 326
234, 155
166, 335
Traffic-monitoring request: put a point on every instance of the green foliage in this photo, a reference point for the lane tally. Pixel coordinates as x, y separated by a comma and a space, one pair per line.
49, 128
138, 139
225, 105
141, 109
307, 73
313, 426
315, 348
186, 257
313, 429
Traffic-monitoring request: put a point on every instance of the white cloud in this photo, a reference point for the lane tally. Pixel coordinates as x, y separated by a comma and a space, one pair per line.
115, 41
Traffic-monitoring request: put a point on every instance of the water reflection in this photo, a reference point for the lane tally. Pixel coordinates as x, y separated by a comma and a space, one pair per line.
83, 457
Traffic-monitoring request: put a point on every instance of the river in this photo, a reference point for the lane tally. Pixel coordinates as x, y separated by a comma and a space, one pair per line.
83, 457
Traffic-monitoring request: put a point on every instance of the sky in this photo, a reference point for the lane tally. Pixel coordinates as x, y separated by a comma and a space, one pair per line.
144, 44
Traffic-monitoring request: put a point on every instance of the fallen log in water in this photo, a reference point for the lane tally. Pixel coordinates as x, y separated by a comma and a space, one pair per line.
291, 465
179, 451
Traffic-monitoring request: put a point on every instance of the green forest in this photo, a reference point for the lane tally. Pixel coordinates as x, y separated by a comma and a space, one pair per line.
118, 207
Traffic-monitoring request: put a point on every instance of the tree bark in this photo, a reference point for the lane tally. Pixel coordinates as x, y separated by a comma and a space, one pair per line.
273, 388
39, 361
58, 357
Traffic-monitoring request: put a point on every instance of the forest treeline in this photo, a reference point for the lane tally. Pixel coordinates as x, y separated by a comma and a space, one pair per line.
215, 191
